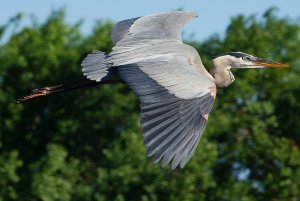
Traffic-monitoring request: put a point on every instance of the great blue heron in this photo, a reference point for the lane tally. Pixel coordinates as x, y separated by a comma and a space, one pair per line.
175, 90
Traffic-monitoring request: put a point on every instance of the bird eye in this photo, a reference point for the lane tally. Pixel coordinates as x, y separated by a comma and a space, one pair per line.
247, 58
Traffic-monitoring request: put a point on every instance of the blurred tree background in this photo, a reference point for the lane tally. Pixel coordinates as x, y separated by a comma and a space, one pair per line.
87, 145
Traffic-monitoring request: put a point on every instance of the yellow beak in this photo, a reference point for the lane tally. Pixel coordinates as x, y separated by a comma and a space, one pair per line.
268, 63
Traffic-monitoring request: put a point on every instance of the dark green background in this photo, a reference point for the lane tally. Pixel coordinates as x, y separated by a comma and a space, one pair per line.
87, 145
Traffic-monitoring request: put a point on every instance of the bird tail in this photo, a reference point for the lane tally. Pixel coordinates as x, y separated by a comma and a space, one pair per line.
96, 66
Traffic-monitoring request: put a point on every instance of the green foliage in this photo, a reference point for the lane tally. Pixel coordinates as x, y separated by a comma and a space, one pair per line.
54, 176
8, 173
87, 145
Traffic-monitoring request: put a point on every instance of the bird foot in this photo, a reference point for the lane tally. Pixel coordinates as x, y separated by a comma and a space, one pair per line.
39, 92
34, 94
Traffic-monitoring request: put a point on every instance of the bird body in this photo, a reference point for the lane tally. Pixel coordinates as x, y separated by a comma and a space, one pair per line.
175, 89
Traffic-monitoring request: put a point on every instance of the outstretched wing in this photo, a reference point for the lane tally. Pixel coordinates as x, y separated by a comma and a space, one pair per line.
163, 26
175, 101
121, 29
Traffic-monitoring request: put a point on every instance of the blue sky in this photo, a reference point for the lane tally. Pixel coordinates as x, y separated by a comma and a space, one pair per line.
214, 15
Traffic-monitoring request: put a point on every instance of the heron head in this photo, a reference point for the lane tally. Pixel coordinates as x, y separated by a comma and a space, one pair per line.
243, 60
222, 65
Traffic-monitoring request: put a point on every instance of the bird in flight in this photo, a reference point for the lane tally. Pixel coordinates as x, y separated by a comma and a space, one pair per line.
175, 89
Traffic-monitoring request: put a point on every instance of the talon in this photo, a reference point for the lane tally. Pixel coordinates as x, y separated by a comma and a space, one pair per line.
45, 91
35, 93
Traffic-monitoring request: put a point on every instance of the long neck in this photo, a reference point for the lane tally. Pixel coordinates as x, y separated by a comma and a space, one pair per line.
220, 70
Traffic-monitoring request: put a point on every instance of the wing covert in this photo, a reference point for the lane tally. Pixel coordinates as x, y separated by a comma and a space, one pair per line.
179, 77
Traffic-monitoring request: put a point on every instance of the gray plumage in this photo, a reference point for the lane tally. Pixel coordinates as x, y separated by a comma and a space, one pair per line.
121, 29
175, 90
171, 126
163, 27
95, 66
148, 54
